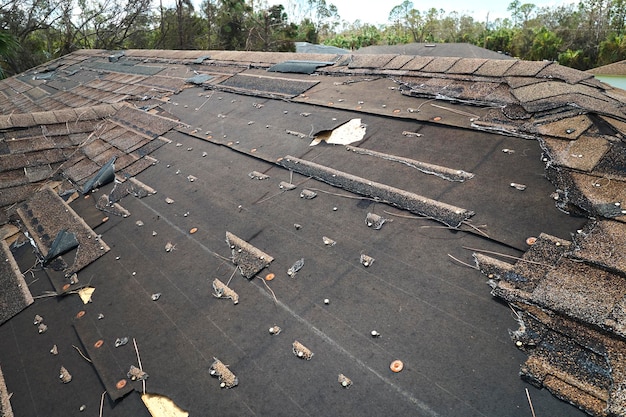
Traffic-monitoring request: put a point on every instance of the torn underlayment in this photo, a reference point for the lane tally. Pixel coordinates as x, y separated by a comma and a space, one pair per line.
345, 134
450, 215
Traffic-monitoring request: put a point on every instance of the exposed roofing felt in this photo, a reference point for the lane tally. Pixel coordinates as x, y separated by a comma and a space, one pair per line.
223, 222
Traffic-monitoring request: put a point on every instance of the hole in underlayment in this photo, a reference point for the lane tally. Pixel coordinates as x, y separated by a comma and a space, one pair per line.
162, 406
349, 132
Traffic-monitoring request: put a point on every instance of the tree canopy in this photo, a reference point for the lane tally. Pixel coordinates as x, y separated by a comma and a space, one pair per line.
583, 35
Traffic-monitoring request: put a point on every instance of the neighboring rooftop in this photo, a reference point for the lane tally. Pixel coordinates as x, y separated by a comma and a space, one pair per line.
163, 211
458, 50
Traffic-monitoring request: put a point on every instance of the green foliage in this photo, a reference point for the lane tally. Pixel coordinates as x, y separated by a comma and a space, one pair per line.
590, 33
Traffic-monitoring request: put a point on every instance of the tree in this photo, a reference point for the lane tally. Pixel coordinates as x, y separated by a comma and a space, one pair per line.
8, 48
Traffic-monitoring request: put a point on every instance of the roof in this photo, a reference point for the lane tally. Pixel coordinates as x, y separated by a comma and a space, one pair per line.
359, 194
458, 50
616, 68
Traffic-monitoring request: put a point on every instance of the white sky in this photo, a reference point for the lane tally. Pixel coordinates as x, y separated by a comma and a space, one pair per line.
377, 11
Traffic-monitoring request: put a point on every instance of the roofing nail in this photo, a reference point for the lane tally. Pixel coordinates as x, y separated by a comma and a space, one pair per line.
328, 241
156, 296
54, 350
42, 328
274, 330
139, 223
38, 320
374, 333
517, 186
326, 301
344, 381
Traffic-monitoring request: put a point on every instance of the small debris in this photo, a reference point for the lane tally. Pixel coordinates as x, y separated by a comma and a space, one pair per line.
344, 381
38, 320
517, 186
169, 246
328, 241
193, 230
136, 374
54, 350
287, 186
100, 316
191, 178
375, 221
304, 114
155, 296
42, 328
221, 290
189, 149
82, 408
295, 267
121, 341
226, 376
294, 133
256, 175
366, 260
64, 375
301, 351
308, 194
297, 226
274, 330
178, 145
169, 200
508, 151
139, 223
411, 134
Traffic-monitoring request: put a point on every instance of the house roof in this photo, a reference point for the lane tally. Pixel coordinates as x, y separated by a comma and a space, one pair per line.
616, 68
458, 50
328, 195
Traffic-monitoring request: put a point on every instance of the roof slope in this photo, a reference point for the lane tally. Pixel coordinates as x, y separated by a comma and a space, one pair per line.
616, 68
360, 179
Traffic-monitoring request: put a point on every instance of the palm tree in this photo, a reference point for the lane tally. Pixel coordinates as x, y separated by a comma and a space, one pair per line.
8, 47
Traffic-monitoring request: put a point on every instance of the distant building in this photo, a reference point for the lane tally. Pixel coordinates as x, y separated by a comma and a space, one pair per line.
613, 74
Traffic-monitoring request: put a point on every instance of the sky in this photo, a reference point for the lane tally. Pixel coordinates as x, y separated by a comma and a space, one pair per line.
377, 11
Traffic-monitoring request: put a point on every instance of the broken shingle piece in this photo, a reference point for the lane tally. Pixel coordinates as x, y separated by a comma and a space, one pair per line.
248, 259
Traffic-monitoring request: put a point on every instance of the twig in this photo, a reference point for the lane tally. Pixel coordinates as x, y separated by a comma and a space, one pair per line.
465, 222
463, 263
519, 318
507, 256
81, 353
102, 402
139, 363
231, 276
268, 287
462, 113
530, 403
345, 195
406, 216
